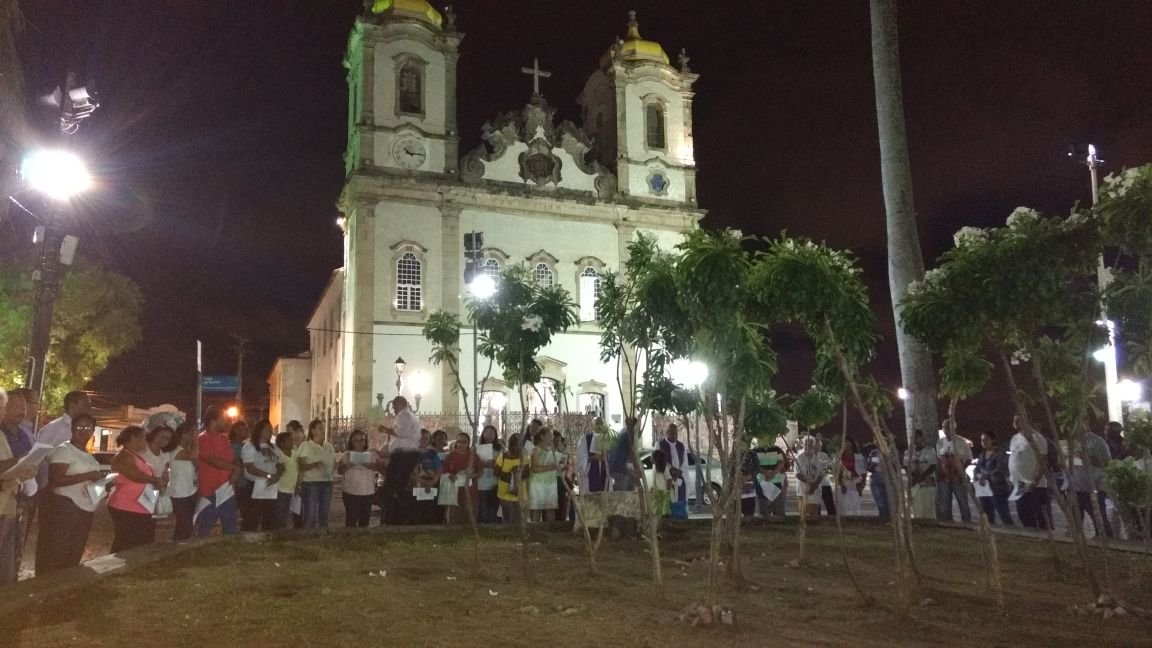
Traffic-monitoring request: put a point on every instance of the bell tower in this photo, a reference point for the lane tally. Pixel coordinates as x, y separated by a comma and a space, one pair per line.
638, 108
401, 62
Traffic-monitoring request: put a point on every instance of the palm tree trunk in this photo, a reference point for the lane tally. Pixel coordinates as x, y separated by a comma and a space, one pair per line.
905, 261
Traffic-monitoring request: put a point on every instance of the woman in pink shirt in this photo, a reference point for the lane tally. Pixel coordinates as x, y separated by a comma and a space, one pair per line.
133, 500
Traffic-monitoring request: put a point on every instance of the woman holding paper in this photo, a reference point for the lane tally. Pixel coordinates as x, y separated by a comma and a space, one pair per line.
76, 488
456, 475
133, 500
156, 441
182, 480
288, 503
263, 470
488, 505
358, 465
316, 459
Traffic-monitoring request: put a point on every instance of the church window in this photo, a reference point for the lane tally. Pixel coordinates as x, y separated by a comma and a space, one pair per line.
408, 290
589, 293
545, 278
410, 88
491, 268
654, 126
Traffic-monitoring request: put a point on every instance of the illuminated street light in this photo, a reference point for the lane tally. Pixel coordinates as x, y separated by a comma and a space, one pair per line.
482, 286
419, 384
690, 373
232, 411
57, 174
1129, 391
902, 394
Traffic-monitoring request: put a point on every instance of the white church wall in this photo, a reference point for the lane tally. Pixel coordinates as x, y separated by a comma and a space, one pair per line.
392, 341
567, 240
419, 224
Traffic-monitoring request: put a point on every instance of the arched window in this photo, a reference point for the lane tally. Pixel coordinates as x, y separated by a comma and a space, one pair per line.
545, 278
408, 275
654, 126
410, 88
589, 293
491, 267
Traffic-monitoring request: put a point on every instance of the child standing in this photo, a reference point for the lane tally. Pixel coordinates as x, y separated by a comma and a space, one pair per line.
661, 484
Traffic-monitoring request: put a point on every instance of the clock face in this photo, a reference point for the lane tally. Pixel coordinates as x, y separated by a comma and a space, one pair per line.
410, 152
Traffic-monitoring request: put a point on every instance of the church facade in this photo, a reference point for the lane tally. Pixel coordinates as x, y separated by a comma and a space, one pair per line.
562, 199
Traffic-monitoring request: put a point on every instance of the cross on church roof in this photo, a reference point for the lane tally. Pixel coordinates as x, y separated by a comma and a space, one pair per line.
536, 73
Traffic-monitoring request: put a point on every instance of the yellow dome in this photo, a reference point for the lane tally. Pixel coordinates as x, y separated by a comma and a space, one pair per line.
635, 48
418, 9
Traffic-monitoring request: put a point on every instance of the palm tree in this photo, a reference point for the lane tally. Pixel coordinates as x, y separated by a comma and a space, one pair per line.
905, 262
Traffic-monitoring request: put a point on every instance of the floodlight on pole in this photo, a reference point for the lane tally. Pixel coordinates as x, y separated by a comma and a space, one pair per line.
482, 286
58, 174
902, 394
1129, 391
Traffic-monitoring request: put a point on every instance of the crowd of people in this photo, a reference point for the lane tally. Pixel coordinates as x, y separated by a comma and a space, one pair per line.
242, 477
1022, 475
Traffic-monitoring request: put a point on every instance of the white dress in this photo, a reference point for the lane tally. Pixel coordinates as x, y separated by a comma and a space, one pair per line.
542, 491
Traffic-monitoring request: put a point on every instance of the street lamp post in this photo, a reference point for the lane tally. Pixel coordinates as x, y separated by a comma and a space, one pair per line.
1107, 355
58, 176
400, 365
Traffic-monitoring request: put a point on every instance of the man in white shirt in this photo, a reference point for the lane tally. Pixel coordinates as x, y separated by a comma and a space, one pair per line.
60, 430
952, 458
1027, 459
404, 454
922, 477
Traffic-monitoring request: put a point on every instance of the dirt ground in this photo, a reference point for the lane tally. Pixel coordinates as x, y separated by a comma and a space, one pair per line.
427, 589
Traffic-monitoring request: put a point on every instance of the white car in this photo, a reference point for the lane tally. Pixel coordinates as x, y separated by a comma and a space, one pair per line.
709, 472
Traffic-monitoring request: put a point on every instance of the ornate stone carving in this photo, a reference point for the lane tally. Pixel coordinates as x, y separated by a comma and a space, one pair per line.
538, 164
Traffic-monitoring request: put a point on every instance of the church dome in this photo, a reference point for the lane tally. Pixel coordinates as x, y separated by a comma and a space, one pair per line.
634, 48
415, 9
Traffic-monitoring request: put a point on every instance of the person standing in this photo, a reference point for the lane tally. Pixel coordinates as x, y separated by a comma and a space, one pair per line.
811, 471
850, 477
59, 430
156, 440
661, 485
1114, 437
238, 435
216, 472
358, 466
771, 482
458, 492
317, 460
877, 484
922, 477
992, 481
9, 512
545, 466
488, 504
677, 456
404, 455
1087, 481
71, 472
133, 500
13, 423
952, 458
592, 453
288, 484
620, 456
182, 480
261, 464
1027, 459
509, 480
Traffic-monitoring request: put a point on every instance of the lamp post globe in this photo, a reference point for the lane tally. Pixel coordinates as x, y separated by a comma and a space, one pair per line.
57, 174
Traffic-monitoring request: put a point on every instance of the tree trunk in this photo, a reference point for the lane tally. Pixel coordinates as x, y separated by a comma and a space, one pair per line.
838, 470
905, 261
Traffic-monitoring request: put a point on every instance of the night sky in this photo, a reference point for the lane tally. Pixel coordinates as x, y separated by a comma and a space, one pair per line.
220, 137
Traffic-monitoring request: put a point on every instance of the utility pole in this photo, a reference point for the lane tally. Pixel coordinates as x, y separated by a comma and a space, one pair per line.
241, 349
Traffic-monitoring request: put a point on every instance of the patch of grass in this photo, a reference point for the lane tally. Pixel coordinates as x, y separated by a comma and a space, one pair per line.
317, 591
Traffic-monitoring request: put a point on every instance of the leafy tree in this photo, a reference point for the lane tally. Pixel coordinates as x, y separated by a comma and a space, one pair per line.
1023, 297
97, 317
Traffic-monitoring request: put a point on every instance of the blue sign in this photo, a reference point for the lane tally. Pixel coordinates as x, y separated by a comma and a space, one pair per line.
228, 384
